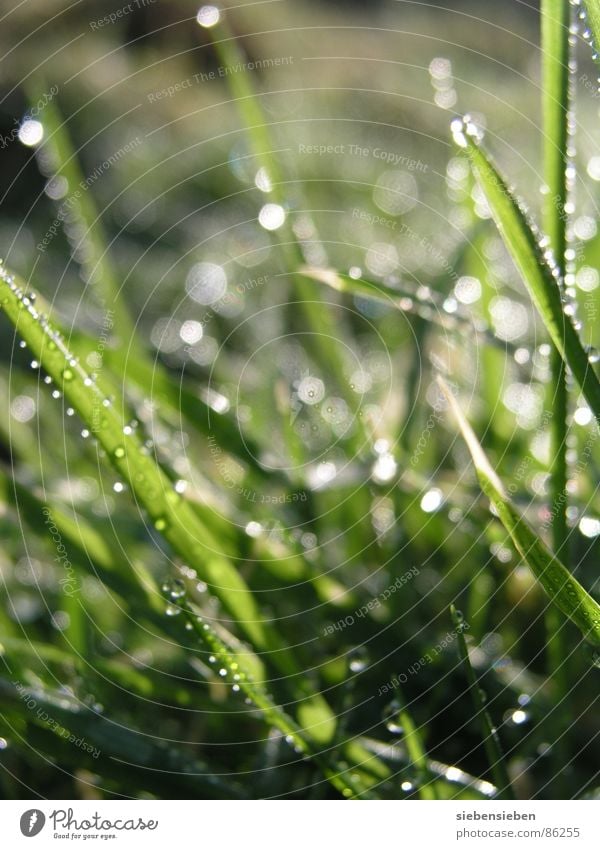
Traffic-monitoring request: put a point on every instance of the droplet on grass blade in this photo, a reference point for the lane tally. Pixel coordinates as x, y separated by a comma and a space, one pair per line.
208, 16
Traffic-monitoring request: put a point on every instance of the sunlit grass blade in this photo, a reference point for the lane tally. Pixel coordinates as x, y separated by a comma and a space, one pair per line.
555, 18
318, 315
405, 300
562, 588
411, 736
58, 153
491, 741
589, 11
533, 260
436, 770
170, 514
346, 781
105, 747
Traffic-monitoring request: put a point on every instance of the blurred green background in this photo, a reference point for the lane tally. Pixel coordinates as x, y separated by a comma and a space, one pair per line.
363, 479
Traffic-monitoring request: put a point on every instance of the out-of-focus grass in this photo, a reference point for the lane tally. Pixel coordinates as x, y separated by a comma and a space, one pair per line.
352, 518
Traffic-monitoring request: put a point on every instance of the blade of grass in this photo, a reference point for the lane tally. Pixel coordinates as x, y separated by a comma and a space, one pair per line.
97, 266
403, 299
555, 18
117, 750
346, 781
171, 515
415, 748
317, 314
491, 740
533, 260
562, 588
589, 10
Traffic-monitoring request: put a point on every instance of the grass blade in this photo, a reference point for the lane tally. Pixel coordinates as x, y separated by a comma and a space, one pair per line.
113, 749
415, 748
491, 741
170, 514
555, 19
589, 10
533, 260
562, 588
96, 263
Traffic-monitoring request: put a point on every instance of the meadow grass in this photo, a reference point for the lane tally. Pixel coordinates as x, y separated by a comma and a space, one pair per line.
255, 589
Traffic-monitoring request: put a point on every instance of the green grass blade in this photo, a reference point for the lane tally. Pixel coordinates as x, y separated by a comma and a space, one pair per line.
532, 259
491, 740
555, 16
318, 315
405, 300
555, 19
170, 514
415, 747
107, 747
590, 12
347, 782
562, 588
96, 262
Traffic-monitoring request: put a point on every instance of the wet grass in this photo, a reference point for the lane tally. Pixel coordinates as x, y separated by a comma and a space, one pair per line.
235, 504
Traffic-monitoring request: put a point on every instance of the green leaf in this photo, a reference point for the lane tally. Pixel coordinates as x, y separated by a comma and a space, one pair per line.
532, 259
491, 741
171, 515
562, 588
590, 10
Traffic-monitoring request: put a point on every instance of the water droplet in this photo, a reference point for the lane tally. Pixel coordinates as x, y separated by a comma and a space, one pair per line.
271, 216
391, 717
358, 660
208, 16
161, 524
176, 589
31, 132
172, 610
593, 354
68, 374
119, 453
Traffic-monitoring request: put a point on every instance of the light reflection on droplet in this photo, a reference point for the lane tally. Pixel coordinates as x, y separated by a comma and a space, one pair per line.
208, 16
311, 390
206, 283
31, 132
432, 500
384, 468
589, 526
271, 216
191, 332
467, 290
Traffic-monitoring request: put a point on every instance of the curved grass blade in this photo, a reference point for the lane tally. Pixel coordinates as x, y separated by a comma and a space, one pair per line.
556, 74
562, 588
97, 266
346, 781
415, 748
318, 315
491, 740
109, 748
533, 260
589, 12
170, 514
406, 300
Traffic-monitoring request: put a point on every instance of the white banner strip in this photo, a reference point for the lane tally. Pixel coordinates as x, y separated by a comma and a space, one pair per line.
276, 824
